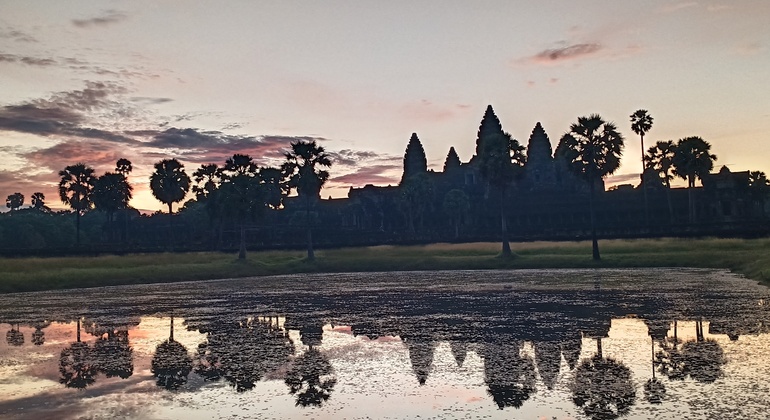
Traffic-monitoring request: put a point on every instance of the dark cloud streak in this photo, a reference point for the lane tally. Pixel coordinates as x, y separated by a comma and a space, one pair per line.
570, 52
107, 18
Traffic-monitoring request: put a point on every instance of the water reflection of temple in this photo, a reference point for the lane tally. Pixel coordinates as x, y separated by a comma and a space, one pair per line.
527, 341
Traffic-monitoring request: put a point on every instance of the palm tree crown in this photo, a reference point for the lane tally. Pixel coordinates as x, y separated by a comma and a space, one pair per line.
692, 159
593, 147
169, 182
76, 187
300, 167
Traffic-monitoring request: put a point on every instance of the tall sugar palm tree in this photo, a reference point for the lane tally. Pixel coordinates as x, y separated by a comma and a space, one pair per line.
75, 189
112, 192
692, 160
641, 123
301, 168
169, 183
592, 149
660, 158
38, 201
501, 162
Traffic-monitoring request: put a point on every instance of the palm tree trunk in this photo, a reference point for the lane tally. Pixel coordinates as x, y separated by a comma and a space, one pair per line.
506, 251
77, 227
670, 205
599, 347
310, 252
242, 248
594, 241
690, 200
644, 189
171, 226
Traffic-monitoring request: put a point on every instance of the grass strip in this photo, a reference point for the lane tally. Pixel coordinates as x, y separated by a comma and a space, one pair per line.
750, 257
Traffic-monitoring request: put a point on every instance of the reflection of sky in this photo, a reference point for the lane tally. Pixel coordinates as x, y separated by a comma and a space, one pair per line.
375, 379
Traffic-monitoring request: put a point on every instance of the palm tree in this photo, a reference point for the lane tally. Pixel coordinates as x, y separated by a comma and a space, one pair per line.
661, 159
247, 192
641, 123
111, 193
14, 201
592, 149
38, 201
300, 168
169, 183
501, 162
75, 189
692, 160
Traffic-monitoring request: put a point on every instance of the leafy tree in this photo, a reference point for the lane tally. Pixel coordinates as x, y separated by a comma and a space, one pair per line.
38, 201
661, 159
301, 170
415, 162
14, 201
169, 183
500, 163
76, 189
692, 160
592, 149
111, 193
456, 204
641, 123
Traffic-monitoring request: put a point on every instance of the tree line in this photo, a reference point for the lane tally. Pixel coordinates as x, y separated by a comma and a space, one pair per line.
240, 193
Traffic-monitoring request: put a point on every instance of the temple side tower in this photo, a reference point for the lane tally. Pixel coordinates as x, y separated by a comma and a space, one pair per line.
540, 170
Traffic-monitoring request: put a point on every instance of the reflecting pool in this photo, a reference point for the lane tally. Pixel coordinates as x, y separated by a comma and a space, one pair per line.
529, 344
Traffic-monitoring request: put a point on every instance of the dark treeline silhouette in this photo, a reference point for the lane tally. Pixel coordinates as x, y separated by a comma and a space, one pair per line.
506, 191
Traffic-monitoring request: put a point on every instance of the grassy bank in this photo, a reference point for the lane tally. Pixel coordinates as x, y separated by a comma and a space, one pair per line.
748, 257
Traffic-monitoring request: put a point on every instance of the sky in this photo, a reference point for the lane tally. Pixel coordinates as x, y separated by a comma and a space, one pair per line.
92, 82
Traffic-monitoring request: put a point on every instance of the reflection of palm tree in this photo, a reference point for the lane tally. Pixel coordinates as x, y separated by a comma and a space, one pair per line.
654, 388
77, 366
703, 358
603, 387
242, 353
171, 363
14, 337
311, 378
114, 354
38, 336
510, 377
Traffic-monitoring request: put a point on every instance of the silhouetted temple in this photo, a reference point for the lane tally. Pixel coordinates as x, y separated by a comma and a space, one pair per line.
546, 201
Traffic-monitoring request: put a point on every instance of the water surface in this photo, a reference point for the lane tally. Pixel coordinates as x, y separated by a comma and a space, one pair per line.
564, 344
